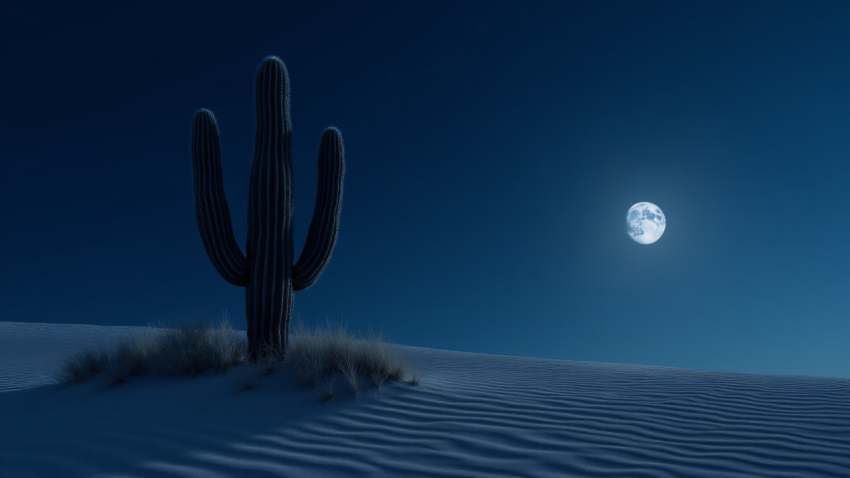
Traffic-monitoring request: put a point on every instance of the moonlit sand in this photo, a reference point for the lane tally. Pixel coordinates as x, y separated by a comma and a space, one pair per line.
473, 415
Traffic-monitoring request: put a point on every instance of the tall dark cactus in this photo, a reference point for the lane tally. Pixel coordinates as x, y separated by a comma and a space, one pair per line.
267, 272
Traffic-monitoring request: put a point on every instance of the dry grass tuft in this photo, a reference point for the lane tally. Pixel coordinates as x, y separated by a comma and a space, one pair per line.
397, 373
130, 356
316, 353
191, 348
326, 389
82, 365
184, 349
378, 380
349, 373
314, 356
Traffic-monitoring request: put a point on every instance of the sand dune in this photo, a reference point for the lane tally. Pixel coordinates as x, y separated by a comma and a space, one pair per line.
473, 415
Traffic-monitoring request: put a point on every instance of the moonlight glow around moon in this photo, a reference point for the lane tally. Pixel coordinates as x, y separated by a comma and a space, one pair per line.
645, 223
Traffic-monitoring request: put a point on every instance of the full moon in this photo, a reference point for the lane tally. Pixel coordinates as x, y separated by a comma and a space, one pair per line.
645, 223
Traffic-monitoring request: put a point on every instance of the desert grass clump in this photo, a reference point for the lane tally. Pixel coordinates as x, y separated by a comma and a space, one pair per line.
183, 349
349, 373
83, 364
306, 356
130, 356
191, 348
314, 356
378, 380
315, 353
415, 379
380, 361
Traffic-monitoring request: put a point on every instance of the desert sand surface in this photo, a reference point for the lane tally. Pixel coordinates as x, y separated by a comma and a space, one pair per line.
473, 415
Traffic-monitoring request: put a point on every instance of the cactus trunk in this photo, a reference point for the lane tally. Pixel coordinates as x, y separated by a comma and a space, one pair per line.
268, 296
267, 271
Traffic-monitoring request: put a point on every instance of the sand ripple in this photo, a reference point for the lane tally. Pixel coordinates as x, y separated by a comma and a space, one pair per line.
473, 416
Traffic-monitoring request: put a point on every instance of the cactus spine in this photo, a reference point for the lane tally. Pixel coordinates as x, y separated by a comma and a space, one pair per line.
267, 271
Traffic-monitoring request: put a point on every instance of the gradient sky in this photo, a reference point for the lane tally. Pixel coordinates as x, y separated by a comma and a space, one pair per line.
492, 151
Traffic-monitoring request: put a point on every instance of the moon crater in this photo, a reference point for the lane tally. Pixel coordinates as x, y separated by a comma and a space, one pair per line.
645, 223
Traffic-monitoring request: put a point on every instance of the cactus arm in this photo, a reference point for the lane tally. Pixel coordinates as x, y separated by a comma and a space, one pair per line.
324, 226
211, 211
267, 270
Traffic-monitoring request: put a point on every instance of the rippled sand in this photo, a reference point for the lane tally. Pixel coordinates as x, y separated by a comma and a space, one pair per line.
473, 415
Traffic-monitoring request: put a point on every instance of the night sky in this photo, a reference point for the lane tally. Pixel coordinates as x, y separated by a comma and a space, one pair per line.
492, 151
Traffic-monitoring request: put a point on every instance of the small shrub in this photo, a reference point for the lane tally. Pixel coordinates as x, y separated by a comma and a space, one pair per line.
414, 380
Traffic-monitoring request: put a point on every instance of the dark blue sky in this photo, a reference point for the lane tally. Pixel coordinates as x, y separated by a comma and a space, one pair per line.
492, 151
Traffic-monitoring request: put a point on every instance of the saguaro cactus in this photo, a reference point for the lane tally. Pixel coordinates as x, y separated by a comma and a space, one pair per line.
267, 271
